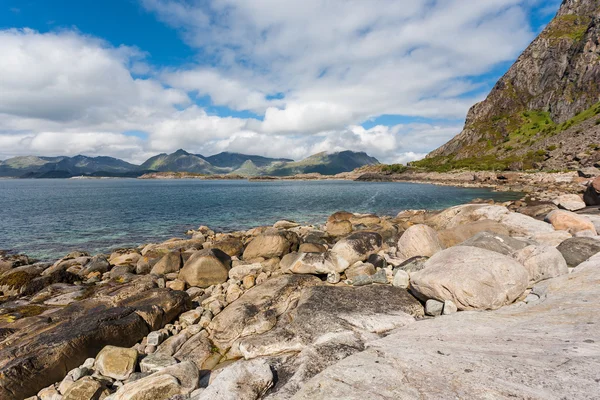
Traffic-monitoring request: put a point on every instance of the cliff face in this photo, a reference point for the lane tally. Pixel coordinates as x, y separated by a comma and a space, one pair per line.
552, 87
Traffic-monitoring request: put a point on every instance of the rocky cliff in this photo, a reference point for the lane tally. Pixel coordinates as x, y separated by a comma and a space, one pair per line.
547, 101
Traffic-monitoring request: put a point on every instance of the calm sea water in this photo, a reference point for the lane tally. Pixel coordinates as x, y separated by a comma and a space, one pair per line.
49, 218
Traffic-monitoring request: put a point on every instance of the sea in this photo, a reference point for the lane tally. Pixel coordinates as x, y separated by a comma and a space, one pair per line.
47, 219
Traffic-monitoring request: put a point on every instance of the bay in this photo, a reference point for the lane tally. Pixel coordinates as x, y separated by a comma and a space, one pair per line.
48, 218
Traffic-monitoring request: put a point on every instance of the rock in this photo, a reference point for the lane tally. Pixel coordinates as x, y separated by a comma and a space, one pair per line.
312, 248
285, 224
360, 268
146, 262
594, 219
243, 380
357, 247
318, 263
257, 310
97, 263
169, 263
38, 355
401, 279
570, 202
239, 272
175, 285
116, 362
178, 379
49, 393
334, 277
472, 354
452, 237
577, 250
541, 262
471, 277
433, 307
419, 240
206, 268
552, 239
569, 221
413, 264
591, 197
449, 308
128, 258
233, 247
340, 216
377, 260
156, 361
198, 349
271, 244
589, 172
83, 389
174, 343
155, 338
494, 242
538, 211
338, 228
191, 317
249, 281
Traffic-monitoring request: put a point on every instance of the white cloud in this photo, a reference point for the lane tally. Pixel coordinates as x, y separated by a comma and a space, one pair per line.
313, 70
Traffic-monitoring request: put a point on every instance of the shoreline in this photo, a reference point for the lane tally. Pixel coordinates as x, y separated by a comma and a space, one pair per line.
209, 284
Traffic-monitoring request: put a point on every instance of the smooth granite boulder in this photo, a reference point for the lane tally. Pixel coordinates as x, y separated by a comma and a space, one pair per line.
317, 263
116, 362
205, 268
495, 242
271, 244
357, 247
243, 380
419, 240
454, 236
569, 221
471, 277
169, 263
541, 262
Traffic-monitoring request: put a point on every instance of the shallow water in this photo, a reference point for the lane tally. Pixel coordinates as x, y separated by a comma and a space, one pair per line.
49, 218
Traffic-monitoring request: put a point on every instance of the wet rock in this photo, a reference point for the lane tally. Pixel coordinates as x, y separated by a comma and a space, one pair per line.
471, 277
206, 268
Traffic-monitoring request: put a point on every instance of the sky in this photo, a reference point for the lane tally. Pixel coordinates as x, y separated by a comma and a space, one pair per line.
134, 78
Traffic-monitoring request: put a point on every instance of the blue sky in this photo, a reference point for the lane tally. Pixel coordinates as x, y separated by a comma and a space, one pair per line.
131, 78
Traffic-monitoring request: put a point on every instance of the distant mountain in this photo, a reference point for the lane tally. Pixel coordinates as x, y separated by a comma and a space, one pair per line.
65, 167
182, 161
324, 164
236, 160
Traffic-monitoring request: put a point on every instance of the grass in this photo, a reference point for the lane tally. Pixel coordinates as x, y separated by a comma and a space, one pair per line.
571, 27
16, 279
394, 168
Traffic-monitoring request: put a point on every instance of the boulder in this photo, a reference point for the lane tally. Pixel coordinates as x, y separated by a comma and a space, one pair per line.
197, 349
271, 244
570, 202
116, 362
495, 242
594, 219
169, 263
360, 268
401, 279
471, 277
340, 216
238, 272
569, 221
243, 380
591, 197
85, 388
553, 239
178, 379
538, 211
413, 264
541, 262
125, 258
97, 263
156, 361
317, 263
312, 248
419, 240
206, 268
256, 311
357, 247
285, 224
452, 237
588, 172
577, 250
40, 353
338, 228
233, 247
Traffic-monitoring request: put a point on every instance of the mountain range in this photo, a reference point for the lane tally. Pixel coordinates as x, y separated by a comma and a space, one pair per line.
544, 113
182, 161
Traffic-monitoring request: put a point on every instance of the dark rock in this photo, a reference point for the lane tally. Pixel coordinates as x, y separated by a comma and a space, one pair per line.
377, 261
577, 250
413, 264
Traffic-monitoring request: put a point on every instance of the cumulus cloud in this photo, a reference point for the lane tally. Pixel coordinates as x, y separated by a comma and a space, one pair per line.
312, 71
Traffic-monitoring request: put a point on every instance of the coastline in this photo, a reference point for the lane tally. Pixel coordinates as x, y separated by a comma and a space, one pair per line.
225, 301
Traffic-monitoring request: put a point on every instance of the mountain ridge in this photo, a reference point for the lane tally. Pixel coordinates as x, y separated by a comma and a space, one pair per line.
227, 163
551, 91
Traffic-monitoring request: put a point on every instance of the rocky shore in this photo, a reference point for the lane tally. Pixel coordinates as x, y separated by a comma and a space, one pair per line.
481, 300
